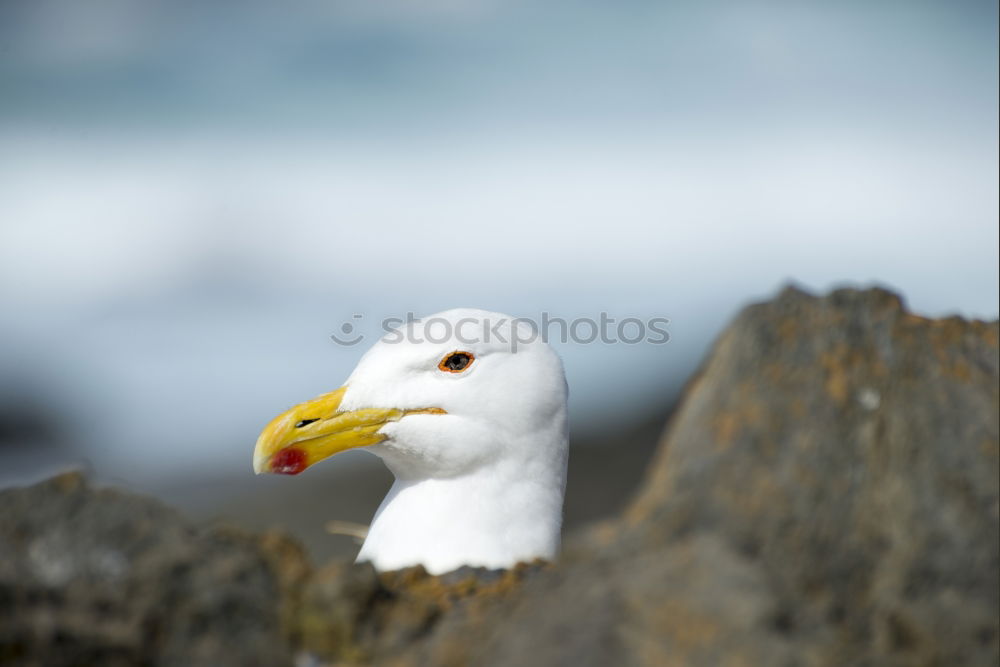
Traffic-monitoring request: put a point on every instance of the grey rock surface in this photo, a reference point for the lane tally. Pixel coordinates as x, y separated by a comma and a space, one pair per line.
101, 577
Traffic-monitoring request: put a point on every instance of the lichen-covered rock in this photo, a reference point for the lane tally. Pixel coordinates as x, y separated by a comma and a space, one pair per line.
352, 615
101, 577
849, 449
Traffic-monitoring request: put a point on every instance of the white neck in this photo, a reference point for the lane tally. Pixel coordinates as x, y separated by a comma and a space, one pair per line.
494, 517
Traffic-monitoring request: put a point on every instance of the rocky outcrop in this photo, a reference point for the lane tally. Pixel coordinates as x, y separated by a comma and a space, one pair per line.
350, 614
101, 577
826, 494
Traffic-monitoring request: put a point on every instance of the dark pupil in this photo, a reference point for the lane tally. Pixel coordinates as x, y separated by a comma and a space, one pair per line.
457, 362
305, 422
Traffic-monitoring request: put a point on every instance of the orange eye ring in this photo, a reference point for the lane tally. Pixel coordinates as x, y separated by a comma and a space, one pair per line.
456, 362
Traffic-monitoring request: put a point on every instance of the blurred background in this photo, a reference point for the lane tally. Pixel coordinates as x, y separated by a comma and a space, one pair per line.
194, 195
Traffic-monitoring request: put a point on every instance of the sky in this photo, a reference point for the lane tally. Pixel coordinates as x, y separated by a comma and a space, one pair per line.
194, 196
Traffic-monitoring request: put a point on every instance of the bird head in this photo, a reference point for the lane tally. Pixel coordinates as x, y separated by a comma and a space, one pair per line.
436, 397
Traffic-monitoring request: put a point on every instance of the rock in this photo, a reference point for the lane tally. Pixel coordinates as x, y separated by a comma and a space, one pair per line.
848, 449
350, 614
102, 577
827, 493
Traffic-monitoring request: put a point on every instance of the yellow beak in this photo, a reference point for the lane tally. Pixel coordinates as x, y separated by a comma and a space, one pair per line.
318, 429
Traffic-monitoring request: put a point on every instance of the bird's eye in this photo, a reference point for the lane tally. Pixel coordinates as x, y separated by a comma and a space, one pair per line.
456, 362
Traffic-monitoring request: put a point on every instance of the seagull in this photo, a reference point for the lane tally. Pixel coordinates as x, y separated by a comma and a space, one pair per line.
467, 409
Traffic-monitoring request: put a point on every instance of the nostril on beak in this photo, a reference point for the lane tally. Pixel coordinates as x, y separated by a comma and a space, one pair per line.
305, 422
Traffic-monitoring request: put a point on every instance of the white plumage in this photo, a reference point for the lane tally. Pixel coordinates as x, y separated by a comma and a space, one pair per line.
479, 453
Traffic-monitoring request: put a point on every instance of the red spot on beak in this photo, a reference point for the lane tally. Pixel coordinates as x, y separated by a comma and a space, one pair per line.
289, 461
